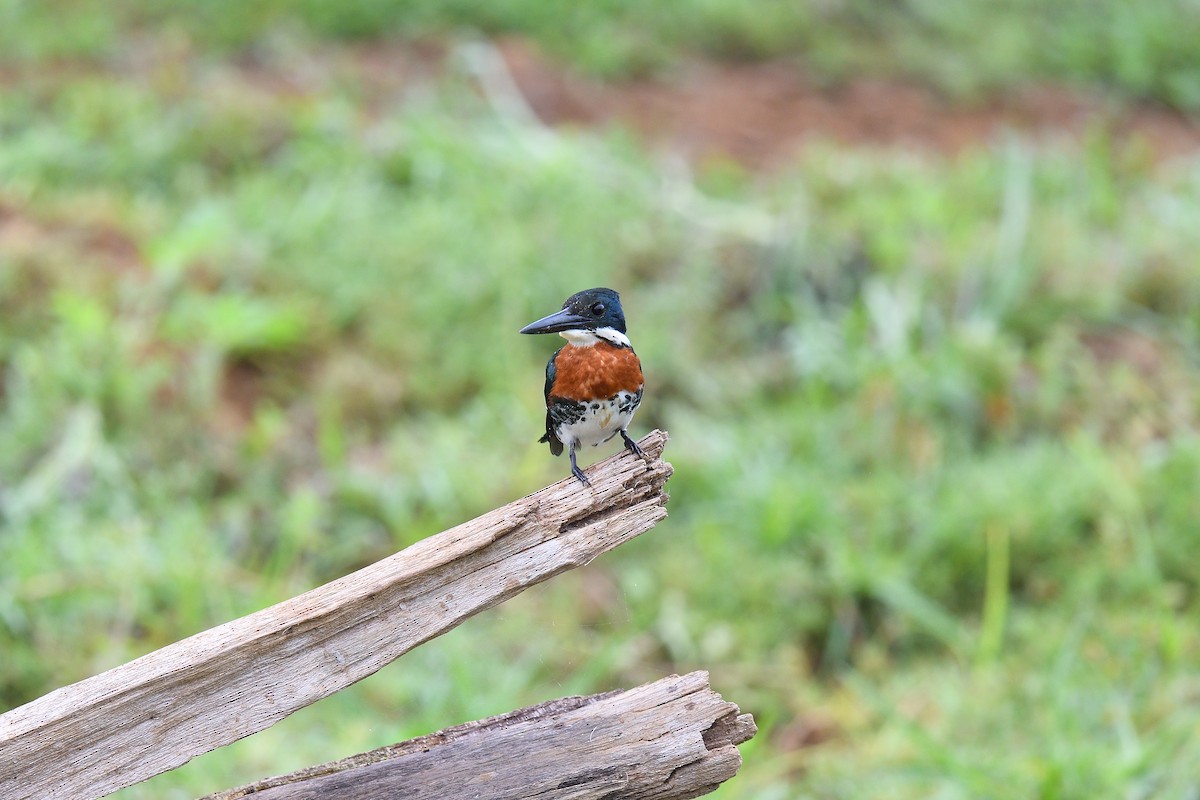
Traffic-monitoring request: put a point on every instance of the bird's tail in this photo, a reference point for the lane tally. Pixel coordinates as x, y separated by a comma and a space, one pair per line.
556, 447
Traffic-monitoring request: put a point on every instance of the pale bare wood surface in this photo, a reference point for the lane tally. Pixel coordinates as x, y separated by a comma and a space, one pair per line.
159, 711
671, 739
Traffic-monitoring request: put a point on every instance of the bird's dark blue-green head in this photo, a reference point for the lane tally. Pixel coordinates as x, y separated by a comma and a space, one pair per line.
589, 310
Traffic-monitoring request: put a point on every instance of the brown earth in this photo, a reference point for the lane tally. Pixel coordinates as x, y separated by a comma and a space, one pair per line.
759, 114
57, 239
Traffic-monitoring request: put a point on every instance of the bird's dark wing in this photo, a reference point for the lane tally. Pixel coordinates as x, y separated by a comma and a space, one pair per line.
550, 370
556, 447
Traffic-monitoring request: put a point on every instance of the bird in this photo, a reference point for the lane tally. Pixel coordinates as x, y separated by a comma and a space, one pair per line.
594, 382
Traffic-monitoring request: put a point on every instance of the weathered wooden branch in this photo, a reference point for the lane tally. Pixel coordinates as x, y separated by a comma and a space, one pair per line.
159, 711
671, 739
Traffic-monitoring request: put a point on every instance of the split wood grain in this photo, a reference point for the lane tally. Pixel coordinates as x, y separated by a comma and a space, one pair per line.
671, 739
159, 711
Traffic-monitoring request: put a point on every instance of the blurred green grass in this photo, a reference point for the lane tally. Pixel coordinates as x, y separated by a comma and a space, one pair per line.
1140, 50
934, 419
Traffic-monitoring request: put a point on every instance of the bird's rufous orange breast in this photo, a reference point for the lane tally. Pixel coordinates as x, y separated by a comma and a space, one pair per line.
597, 372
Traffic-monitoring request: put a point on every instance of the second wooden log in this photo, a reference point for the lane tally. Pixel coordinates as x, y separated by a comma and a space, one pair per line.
668, 740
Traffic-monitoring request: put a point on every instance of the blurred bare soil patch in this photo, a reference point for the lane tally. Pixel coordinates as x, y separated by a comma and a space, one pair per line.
25, 237
759, 113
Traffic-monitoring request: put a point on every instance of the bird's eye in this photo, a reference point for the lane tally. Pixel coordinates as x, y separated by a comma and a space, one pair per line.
598, 309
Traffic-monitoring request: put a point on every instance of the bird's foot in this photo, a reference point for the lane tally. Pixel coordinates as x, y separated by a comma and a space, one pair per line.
632, 446
576, 471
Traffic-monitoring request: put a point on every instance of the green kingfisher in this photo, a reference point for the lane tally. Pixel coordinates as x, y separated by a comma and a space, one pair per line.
594, 381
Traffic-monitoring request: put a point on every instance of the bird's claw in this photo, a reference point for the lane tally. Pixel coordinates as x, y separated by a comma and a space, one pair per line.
632, 446
578, 473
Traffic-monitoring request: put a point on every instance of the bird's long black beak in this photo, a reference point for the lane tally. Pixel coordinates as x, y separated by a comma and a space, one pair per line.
558, 321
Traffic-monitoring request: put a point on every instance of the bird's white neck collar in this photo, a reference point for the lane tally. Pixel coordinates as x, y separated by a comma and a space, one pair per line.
584, 338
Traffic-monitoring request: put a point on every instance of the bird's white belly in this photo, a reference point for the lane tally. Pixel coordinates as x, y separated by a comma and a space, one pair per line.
601, 421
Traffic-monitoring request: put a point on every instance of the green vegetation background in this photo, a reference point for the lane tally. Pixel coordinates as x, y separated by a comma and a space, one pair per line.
934, 520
